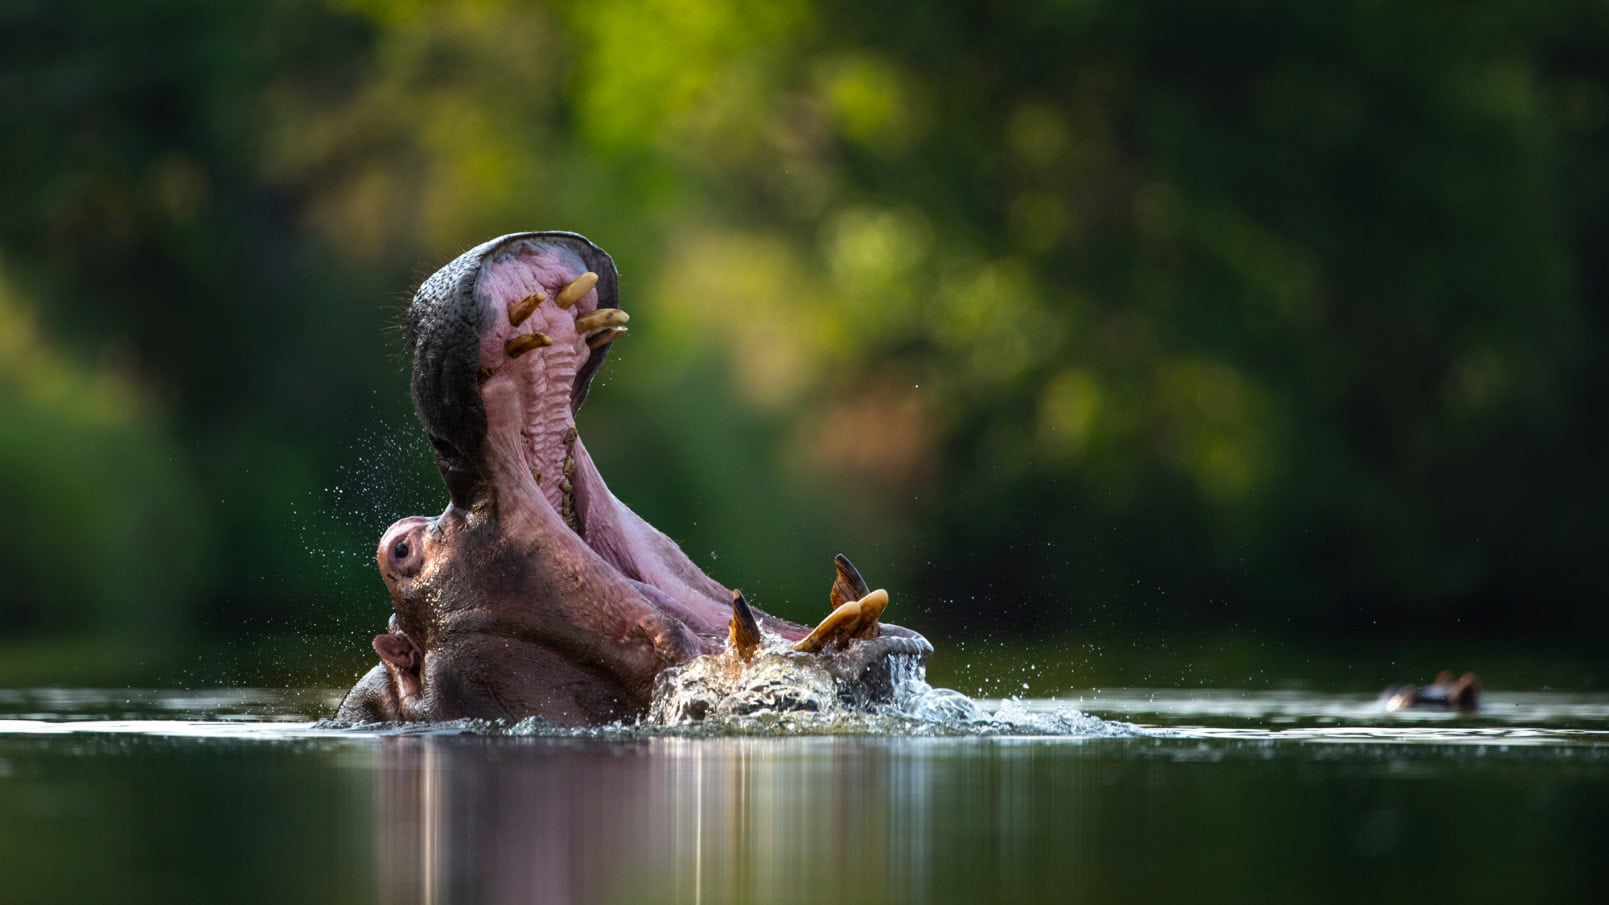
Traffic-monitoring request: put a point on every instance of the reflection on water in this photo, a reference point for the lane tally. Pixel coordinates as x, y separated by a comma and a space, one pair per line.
652, 820
151, 796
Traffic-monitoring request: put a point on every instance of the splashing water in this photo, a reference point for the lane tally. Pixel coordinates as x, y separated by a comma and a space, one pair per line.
389, 476
780, 691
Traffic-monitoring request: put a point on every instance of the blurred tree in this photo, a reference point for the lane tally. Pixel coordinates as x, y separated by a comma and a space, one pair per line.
102, 525
1055, 315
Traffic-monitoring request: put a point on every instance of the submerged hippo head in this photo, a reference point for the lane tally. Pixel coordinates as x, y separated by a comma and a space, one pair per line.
537, 593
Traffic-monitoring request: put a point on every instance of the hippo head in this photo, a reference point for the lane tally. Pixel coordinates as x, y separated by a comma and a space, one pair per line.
537, 592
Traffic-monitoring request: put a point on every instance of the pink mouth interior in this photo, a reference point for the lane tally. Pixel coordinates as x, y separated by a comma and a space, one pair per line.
545, 375
555, 455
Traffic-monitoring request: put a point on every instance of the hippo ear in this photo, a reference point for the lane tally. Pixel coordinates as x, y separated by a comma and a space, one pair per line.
402, 659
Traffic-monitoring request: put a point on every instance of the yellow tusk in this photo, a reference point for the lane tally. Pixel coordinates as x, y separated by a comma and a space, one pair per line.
872, 606
578, 288
603, 317
522, 309
850, 620
525, 342
838, 625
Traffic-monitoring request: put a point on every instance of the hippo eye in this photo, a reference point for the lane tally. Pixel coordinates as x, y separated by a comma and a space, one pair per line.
401, 550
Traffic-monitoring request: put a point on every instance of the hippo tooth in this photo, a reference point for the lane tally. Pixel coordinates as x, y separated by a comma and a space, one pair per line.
567, 505
605, 337
855, 619
525, 342
743, 629
578, 288
522, 309
871, 608
603, 317
848, 584
832, 627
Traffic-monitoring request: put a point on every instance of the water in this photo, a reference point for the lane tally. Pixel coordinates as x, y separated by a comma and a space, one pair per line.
1115, 795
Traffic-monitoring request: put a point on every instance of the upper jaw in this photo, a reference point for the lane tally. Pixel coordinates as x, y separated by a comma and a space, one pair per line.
456, 309
498, 406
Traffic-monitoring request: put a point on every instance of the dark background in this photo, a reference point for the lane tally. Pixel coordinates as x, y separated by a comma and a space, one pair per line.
1160, 343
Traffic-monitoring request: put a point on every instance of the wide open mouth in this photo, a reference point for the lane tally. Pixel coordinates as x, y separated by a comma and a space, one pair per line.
506, 340
495, 304
531, 316
547, 320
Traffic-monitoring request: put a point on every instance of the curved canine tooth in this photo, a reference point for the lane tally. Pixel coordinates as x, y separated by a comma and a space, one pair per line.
871, 609
525, 342
834, 627
603, 317
578, 288
743, 629
855, 619
522, 309
848, 585
605, 337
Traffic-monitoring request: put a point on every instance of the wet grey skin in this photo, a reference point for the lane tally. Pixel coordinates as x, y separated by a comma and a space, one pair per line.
537, 593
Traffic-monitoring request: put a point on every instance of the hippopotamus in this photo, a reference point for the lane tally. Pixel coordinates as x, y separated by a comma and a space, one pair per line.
538, 593
1445, 692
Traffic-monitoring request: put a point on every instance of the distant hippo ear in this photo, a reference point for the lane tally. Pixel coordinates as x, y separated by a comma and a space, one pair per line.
402, 659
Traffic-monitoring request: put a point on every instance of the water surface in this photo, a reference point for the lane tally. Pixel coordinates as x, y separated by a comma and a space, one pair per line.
1115, 795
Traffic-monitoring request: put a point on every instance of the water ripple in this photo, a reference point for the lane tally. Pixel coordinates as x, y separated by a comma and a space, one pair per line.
1525, 720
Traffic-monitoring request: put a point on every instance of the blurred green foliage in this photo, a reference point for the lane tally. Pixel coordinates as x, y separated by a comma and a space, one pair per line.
87, 551
1059, 317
